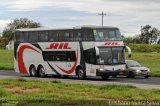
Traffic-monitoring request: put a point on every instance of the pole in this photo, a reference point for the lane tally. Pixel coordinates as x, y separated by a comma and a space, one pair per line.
102, 14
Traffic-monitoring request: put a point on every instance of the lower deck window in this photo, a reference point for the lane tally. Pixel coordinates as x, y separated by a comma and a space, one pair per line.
59, 56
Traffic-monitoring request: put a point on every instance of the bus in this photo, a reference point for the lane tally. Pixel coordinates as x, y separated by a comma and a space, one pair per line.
82, 51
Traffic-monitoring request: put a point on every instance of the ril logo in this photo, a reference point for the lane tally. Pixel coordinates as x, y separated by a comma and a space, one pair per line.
58, 46
111, 43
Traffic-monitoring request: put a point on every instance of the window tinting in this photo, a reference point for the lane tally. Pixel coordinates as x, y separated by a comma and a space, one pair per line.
33, 36
53, 36
90, 56
43, 36
69, 35
87, 35
59, 56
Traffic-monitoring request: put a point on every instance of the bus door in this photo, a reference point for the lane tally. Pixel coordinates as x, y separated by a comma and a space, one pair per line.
91, 60
70, 61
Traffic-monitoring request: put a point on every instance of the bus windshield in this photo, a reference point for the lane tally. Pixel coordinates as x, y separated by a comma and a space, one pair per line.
107, 35
111, 55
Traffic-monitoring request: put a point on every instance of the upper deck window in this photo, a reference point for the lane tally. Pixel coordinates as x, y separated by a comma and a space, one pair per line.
107, 35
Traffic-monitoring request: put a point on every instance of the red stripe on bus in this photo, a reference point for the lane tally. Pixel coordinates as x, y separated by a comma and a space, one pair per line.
21, 64
73, 68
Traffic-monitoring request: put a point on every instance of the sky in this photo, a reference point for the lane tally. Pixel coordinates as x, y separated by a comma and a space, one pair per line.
127, 15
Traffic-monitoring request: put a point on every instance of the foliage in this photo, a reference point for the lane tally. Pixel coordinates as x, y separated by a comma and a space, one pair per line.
8, 32
6, 59
144, 48
149, 34
3, 42
135, 39
34, 92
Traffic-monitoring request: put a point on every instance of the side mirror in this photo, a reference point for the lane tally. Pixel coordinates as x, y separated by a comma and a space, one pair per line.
129, 51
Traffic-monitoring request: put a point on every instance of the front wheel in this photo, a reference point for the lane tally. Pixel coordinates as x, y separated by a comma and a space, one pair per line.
42, 72
105, 77
146, 77
81, 74
131, 75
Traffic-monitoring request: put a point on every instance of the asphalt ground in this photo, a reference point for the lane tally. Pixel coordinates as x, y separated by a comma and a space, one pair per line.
140, 82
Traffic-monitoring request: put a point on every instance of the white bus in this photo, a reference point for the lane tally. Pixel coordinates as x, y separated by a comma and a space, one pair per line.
82, 51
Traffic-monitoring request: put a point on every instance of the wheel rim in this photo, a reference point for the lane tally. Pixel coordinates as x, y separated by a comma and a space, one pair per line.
33, 71
42, 72
81, 73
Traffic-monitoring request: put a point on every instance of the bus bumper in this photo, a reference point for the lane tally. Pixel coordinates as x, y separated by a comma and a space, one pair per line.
106, 72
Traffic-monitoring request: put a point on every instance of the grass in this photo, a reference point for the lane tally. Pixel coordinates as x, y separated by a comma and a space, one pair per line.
6, 59
150, 60
58, 93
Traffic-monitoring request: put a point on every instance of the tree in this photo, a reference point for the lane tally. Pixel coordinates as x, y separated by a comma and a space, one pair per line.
149, 34
146, 34
8, 32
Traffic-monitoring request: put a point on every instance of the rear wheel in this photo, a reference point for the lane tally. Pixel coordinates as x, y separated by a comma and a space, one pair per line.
41, 72
33, 71
81, 73
131, 75
105, 77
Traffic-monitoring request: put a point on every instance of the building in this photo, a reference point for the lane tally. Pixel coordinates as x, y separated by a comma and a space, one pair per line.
10, 45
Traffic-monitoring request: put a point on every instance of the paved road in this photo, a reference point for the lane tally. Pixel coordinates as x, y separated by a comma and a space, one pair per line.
151, 83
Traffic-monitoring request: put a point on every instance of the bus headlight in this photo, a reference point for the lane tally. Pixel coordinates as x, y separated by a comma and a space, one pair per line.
101, 69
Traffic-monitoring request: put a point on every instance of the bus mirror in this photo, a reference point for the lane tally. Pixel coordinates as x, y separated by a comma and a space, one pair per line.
129, 55
129, 51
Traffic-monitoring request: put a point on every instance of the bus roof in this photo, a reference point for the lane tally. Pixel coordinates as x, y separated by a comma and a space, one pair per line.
76, 27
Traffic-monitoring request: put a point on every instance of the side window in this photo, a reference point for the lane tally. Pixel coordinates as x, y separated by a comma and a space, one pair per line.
21, 37
17, 37
53, 36
43, 36
90, 56
67, 36
33, 37
61, 35
77, 36
25, 35
87, 35
59, 56
70, 56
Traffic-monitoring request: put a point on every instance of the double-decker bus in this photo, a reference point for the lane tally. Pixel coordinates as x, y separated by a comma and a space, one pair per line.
81, 51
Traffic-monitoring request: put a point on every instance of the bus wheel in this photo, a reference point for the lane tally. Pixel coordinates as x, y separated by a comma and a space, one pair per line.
81, 74
41, 72
33, 71
65, 76
105, 77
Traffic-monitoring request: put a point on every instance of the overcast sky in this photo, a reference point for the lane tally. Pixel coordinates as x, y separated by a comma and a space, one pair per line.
128, 15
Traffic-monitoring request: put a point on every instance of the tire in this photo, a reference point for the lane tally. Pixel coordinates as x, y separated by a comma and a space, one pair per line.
65, 76
114, 76
104, 77
131, 75
146, 77
33, 72
81, 74
41, 72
